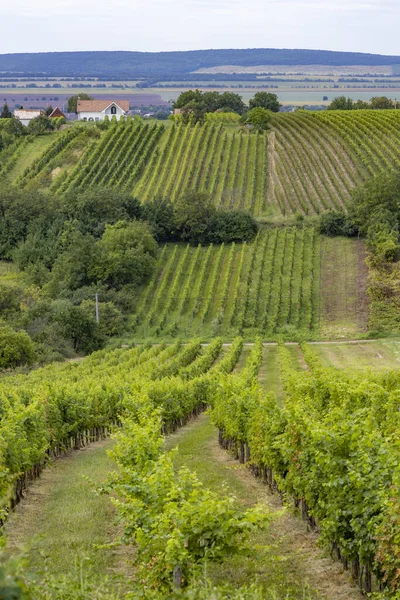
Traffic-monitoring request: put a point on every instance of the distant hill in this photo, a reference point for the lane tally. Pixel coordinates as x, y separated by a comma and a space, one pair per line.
150, 64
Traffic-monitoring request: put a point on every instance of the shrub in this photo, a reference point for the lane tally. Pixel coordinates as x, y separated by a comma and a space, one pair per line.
336, 222
16, 348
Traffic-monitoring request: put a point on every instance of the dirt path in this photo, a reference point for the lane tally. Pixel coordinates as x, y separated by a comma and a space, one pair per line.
293, 553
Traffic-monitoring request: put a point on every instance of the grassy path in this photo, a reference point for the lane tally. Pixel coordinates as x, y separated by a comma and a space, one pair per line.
287, 556
61, 523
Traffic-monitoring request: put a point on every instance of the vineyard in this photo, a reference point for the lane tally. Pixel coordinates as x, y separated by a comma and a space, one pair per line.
306, 163
270, 287
327, 439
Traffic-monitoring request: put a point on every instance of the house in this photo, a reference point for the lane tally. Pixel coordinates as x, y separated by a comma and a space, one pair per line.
26, 116
56, 114
96, 110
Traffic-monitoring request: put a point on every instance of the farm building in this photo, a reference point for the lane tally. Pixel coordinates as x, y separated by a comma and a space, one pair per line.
57, 113
26, 116
96, 110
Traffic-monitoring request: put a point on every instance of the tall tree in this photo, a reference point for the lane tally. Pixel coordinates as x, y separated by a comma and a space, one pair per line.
6, 112
72, 103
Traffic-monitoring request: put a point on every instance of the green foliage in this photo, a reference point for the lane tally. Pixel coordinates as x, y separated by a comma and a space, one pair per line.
375, 103
375, 209
195, 104
341, 103
259, 118
72, 102
40, 125
265, 100
332, 447
6, 112
111, 319
96, 207
16, 348
336, 222
222, 117
175, 523
78, 326
160, 214
192, 212
125, 254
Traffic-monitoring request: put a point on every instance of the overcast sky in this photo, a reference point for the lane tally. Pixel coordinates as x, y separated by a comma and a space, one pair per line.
153, 25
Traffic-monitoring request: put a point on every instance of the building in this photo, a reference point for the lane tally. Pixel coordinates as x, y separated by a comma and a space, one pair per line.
57, 113
96, 110
26, 116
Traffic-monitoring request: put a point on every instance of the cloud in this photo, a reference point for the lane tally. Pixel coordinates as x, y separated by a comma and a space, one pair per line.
153, 25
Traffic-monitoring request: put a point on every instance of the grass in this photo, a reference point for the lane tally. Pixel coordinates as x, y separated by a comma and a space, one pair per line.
382, 354
30, 153
284, 557
62, 523
342, 289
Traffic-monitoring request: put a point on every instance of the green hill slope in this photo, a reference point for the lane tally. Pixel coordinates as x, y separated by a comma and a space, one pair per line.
306, 163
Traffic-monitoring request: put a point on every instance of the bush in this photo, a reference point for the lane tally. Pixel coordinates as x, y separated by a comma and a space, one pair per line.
259, 118
234, 226
124, 255
77, 326
41, 125
16, 348
336, 222
111, 319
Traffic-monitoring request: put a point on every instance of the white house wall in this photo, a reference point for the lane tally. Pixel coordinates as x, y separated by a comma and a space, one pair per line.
99, 116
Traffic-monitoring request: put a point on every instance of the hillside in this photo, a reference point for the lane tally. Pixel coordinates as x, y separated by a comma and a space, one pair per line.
148, 64
306, 163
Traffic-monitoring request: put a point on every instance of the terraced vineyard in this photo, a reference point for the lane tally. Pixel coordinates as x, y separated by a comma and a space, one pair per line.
306, 163
270, 286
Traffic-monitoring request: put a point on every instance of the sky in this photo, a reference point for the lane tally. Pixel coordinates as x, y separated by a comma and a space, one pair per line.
155, 25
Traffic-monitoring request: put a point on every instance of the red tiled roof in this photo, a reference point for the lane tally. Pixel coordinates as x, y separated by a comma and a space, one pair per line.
56, 113
100, 105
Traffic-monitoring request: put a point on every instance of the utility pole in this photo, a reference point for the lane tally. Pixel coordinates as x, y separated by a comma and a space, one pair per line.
97, 308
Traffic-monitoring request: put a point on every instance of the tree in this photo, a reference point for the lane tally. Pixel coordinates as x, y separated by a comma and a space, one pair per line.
16, 348
259, 118
72, 102
361, 105
48, 111
231, 102
125, 254
78, 326
195, 104
70, 269
97, 206
14, 127
265, 100
341, 103
185, 97
381, 103
161, 216
6, 112
40, 125
231, 226
193, 211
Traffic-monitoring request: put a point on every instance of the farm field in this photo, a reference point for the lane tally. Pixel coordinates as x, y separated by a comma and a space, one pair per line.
305, 164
